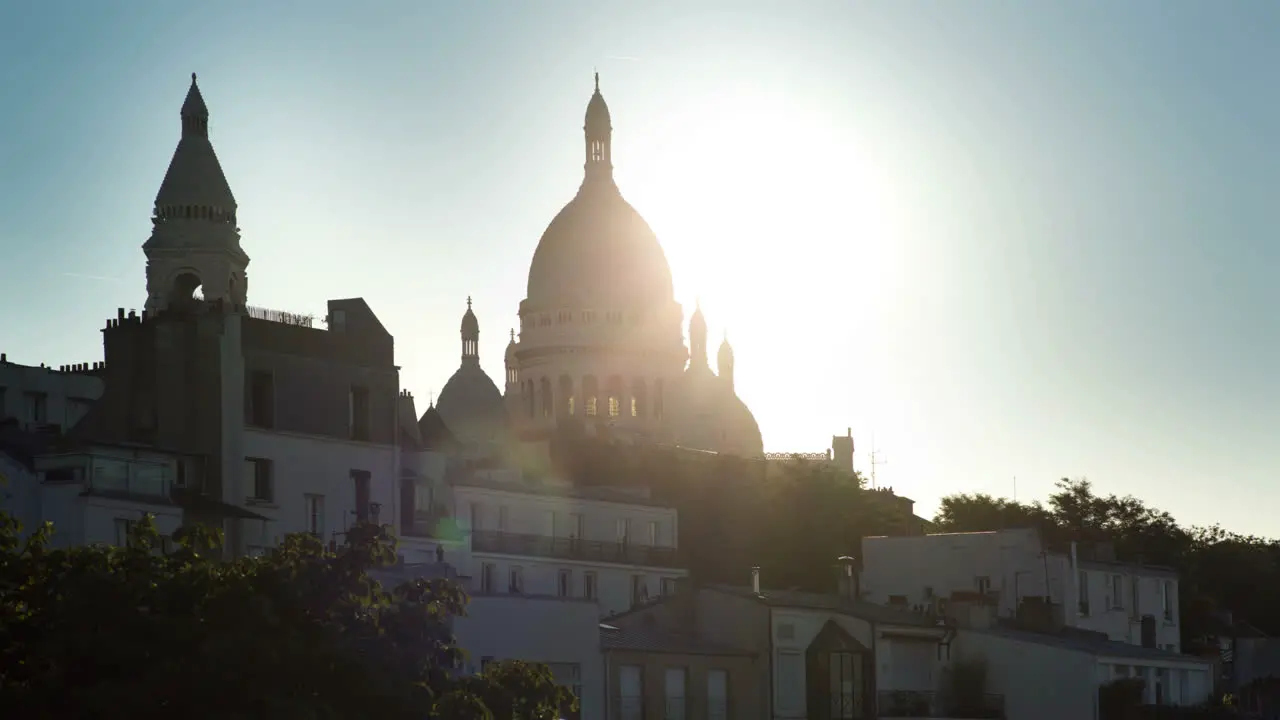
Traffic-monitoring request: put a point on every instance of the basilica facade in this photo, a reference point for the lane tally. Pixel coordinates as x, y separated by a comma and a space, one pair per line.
600, 343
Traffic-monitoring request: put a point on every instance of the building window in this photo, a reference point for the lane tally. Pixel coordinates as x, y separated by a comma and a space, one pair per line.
717, 695
983, 583
258, 472
315, 514
589, 585
515, 580
635, 407
37, 407
668, 586
477, 516
488, 573
123, 527
564, 586
613, 406
591, 405
363, 487
1134, 586
653, 533
846, 677
261, 406
503, 518
791, 682
572, 409
1084, 593
1117, 592
639, 589
675, 699
358, 412
1166, 599
631, 692
624, 529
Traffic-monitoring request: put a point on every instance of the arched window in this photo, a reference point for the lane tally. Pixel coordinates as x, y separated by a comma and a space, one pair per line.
590, 389
548, 403
639, 398
566, 393
615, 392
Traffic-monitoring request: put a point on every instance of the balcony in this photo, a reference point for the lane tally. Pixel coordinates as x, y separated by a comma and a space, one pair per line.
573, 549
925, 704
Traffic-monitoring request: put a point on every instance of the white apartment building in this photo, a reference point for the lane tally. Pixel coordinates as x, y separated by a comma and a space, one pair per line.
1089, 589
34, 398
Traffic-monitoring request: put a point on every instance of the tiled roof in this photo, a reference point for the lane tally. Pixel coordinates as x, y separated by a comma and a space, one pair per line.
651, 637
828, 601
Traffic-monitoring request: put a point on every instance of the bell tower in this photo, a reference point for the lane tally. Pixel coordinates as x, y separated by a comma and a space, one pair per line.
194, 241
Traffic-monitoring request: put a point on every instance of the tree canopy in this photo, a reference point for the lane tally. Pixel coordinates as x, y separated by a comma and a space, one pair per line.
304, 632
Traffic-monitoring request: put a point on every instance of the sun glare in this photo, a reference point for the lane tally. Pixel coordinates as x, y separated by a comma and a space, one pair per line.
761, 204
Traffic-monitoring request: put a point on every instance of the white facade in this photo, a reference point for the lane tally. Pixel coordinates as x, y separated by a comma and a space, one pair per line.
1049, 678
310, 485
38, 396
1113, 598
563, 634
562, 545
1011, 565
92, 496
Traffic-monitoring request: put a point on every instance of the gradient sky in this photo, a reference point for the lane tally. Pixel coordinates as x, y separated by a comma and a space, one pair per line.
1003, 239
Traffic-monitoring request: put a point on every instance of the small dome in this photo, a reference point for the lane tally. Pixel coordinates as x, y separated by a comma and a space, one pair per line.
724, 358
511, 349
471, 405
470, 326
697, 323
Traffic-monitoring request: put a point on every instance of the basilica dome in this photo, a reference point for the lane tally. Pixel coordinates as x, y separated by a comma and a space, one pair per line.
598, 252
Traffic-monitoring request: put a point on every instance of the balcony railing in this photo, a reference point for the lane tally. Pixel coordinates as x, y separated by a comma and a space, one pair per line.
573, 549
925, 704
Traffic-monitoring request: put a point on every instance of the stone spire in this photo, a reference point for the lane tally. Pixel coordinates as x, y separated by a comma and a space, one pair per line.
598, 132
194, 240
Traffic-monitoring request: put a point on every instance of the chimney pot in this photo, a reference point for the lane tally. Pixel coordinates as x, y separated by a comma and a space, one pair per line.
755, 580
4, 357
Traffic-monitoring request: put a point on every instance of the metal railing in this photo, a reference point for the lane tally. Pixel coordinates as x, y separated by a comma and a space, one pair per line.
927, 704
573, 549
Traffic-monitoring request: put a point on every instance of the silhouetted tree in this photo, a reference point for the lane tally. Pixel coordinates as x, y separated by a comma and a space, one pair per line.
103, 632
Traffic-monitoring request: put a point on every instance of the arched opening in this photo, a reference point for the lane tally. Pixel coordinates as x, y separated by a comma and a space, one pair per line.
639, 398
566, 394
590, 389
615, 393
548, 403
186, 290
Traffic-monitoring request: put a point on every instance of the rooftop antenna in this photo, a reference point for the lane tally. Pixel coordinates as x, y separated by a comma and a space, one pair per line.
875, 460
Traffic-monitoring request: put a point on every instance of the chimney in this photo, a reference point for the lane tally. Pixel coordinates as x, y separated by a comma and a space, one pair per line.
842, 450
684, 603
847, 578
755, 580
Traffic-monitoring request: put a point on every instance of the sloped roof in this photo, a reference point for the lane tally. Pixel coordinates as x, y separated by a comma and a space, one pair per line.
831, 602
654, 637
1081, 642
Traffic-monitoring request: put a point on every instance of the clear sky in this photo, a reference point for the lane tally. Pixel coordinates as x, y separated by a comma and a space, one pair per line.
1003, 239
